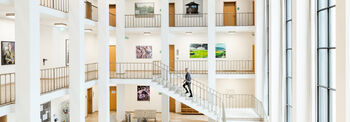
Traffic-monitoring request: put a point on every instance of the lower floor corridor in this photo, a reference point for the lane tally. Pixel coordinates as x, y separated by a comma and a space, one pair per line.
174, 117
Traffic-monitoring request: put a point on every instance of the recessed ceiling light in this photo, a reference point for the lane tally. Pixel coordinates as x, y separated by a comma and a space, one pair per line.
147, 33
60, 25
231, 32
88, 30
10, 15
188, 33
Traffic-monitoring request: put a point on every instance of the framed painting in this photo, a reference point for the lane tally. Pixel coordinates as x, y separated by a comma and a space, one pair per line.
198, 50
143, 93
8, 53
143, 52
220, 50
143, 8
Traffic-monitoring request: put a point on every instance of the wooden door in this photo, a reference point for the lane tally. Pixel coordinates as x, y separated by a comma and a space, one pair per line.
113, 98
171, 14
112, 59
88, 10
230, 13
89, 101
253, 12
112, 15
172, 106
3, 119
172, 57
253, 51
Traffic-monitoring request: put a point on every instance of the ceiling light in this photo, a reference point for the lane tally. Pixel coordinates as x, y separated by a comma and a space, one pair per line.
60, 25
188, 33
147, 33
10, 15
231, 32
88, 30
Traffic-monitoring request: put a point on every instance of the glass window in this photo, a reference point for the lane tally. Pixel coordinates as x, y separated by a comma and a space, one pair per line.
326, 47
289, 106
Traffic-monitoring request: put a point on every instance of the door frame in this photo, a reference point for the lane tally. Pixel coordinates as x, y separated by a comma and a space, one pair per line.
234, 16
89, 110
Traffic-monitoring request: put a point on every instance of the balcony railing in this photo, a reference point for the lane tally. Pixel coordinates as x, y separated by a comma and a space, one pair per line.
234, 67
7, 88
235, 19
188, 20
61, 5
53, 79
91, 11
222, 66
91, 72
133, 70
142, 21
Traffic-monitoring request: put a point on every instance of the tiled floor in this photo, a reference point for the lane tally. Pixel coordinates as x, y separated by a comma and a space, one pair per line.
173, 118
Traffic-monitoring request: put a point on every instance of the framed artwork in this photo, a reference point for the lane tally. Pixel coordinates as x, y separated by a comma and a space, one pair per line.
45, 112
8, 53
198, 50
143, 52
143, 93
193, 6
220, 50
144, 8
67, 51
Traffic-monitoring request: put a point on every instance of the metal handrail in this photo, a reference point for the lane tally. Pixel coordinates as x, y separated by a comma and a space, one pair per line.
60, 5
132, 70
7, 88
142, 20
189, 20
222, 66
235, 19
91, 72
53, 79
207, 97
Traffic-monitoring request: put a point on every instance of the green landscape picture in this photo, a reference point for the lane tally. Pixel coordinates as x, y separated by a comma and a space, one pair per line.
198, 50
144, 8
220, 50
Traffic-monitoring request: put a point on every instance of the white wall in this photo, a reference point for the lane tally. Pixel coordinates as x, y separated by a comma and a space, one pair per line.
130, 6
236, 86
142, 40
238, 46
243, 5
91, 48
7, 33
56, 107
131, 102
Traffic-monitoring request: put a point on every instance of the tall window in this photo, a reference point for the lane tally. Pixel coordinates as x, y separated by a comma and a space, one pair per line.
326, 60
288, 61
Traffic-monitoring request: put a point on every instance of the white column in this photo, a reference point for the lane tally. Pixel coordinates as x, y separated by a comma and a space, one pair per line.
120, 30
259, 49
120, 102
27, 32
103, 61
165, 53
275, 61
77, 61
211, 49
343, 61
301, 61
120, 50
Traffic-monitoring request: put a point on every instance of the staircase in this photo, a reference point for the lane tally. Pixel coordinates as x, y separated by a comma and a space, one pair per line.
215, 105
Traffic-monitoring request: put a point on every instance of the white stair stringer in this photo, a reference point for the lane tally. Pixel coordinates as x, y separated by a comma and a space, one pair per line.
185, 100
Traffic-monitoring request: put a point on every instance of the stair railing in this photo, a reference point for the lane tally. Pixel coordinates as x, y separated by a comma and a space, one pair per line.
205, 96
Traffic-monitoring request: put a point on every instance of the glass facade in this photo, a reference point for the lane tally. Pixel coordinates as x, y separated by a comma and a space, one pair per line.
326, 60
288, 61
